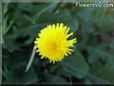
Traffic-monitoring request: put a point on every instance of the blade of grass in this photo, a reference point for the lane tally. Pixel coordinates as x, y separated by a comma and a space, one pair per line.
51, 6
30, 60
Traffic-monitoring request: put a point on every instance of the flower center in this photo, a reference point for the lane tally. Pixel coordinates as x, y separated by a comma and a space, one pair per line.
54, 46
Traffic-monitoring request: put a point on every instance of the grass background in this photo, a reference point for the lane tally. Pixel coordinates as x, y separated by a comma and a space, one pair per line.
91, 63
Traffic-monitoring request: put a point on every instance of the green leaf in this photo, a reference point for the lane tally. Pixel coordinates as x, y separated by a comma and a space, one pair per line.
74, 65
103, 72
20, 75
5, 27
29, 77
64, 16
32, 32
86, 14
54, 79
47, 8
105, 24
93, 79
8, 75
96, 52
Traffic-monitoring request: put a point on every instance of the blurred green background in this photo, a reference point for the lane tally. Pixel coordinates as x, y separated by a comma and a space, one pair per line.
91, 63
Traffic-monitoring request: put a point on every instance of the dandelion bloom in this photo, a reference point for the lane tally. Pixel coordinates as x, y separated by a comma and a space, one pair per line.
53, 42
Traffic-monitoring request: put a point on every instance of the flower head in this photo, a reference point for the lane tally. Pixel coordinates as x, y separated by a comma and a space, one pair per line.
53, 42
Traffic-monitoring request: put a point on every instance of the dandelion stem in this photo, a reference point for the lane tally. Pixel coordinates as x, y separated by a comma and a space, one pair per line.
30, 60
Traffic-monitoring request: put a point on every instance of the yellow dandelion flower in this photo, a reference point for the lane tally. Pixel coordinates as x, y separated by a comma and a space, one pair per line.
53, 42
